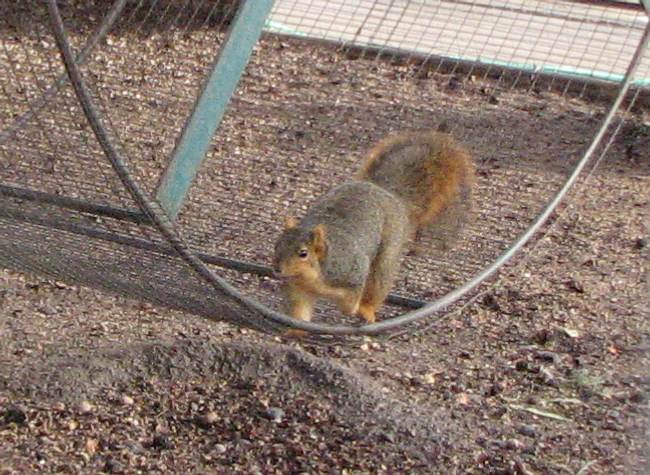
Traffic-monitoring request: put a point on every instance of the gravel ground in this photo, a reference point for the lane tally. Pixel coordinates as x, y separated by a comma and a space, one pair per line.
547, 372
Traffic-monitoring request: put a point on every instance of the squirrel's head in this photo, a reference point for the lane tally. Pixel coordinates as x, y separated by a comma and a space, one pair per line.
300, 251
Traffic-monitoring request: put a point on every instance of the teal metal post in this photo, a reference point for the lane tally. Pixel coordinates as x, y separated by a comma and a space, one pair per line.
211, 105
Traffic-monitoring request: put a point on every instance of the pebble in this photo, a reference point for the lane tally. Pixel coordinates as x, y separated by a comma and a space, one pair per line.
161, 441
641, 243
134, 447
127, 400
547, 356
528, 430
47, 310
85, 407
16, 415
275, 414
207, 419
513, 444
548, 377
92, 445
428, 379
522, 365
113, 466
220, 449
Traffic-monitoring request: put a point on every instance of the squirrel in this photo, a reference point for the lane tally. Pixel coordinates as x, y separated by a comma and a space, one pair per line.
348, 247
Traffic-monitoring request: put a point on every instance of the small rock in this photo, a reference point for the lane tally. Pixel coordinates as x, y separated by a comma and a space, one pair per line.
498, 412
127, 400
428, 379
528, 430
220, 449
575, 285
522, 365
548, 377
207, 419
161, 442
134, 422
91, 446
244, 444
494, 389
547, 356
641, 243
275, 414
462, 399
570, 332
638, 397
613, 426
491, 302
15, 415
113, 466
531, 400
542, 337
513, 444
58, 407
47, 310
134, 447
85, 407
454, 83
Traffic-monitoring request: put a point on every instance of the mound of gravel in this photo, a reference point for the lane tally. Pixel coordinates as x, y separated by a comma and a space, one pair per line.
202, 406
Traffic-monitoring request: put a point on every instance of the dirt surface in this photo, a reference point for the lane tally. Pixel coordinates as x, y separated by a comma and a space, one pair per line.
546, 372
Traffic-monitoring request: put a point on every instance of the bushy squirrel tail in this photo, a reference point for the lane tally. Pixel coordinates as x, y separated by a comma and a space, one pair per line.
429, 170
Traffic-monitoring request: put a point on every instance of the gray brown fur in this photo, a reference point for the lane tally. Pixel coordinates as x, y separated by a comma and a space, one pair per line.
407, 181
362, 220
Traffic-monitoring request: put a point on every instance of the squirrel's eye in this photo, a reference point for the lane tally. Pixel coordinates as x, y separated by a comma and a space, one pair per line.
302, 253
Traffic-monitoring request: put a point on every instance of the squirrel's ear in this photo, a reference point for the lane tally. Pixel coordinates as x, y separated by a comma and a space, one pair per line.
319, 241
290, 222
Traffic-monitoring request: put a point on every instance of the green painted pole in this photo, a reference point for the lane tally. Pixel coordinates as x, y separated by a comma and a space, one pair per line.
211, 105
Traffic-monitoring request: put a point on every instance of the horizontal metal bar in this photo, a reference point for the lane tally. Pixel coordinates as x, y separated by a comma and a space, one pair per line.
74, 203
460, 64
234, 264
611, 4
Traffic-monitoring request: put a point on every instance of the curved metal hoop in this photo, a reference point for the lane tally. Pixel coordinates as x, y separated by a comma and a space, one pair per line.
173, 236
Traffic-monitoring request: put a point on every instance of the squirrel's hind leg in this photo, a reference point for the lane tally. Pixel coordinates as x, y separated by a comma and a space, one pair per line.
380, 280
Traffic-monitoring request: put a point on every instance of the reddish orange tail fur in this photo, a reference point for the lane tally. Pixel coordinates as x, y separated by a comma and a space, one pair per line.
430, 171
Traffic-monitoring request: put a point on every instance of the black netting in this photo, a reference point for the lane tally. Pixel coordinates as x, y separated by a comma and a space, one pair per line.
525, 85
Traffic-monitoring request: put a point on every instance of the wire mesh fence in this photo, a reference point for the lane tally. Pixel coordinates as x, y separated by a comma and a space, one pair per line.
520, 83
